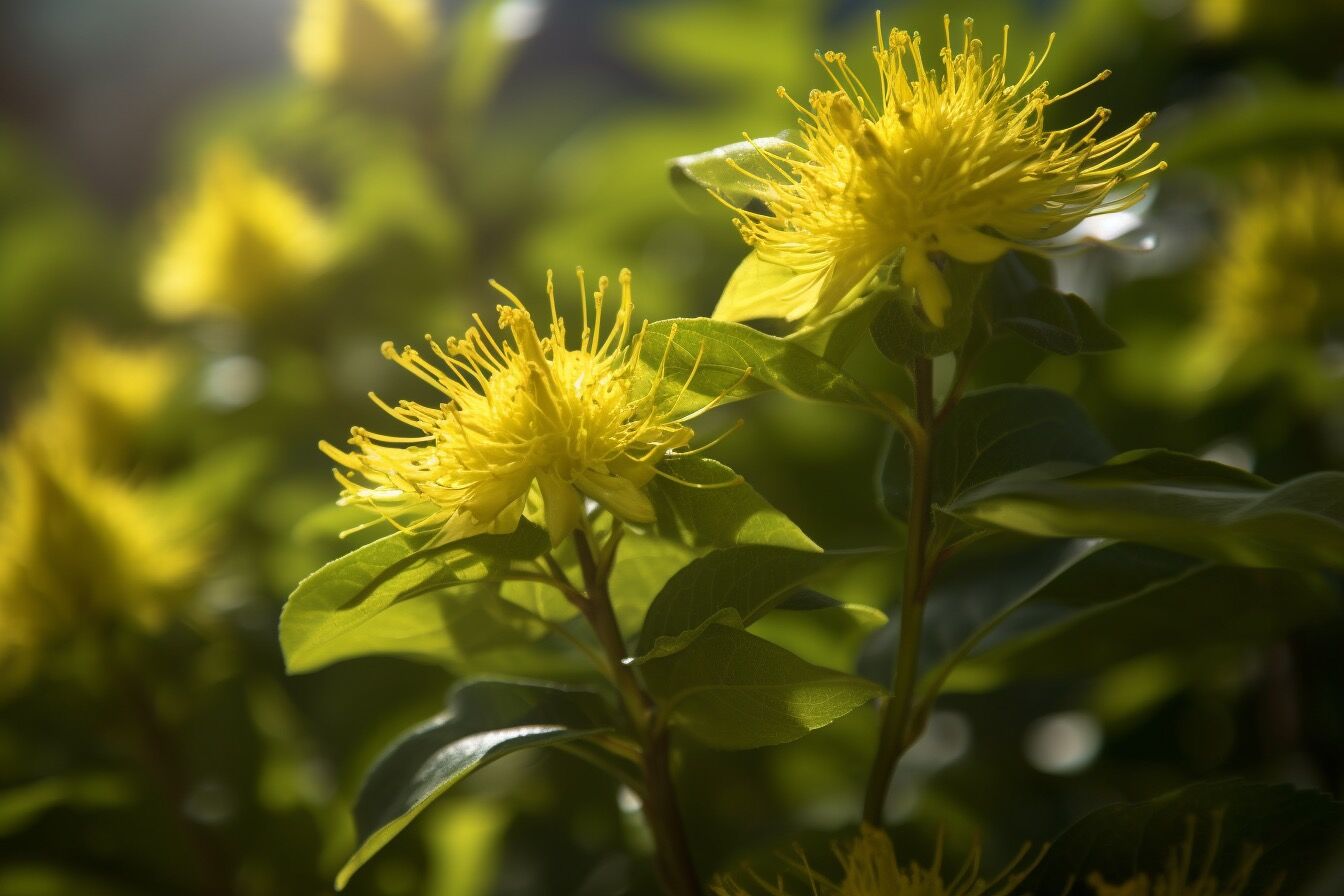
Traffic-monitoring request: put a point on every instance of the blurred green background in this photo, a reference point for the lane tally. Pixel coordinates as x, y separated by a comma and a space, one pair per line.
212, 214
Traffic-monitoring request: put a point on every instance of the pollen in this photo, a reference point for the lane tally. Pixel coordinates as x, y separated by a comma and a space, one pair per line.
529, 420
945, 159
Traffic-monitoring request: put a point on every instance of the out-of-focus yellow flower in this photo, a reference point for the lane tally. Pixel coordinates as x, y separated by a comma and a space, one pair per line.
870, 868
1219, 19
78, 548
361, 43
110, 390
1280, 278
245, 239
528, 419
1243, 21
1182, 877
944, 164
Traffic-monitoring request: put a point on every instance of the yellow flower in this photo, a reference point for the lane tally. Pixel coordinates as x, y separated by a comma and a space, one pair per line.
1219, 19
110, 390
1181, 878
870, 868
1281, 278
529, 421
361, 43
244, 239
79, 548
956, 164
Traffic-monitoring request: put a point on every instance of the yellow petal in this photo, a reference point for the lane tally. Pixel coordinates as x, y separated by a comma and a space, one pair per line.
760, 289
637, 471
849, 277
509, 517
562, 506
459, 526
621, 496
971, 246
491, 496
922, 275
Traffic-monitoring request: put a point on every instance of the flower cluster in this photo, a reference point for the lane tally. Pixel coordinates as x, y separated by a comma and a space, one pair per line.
81, 547
529, 421
956, 164
114, 390
1282, 278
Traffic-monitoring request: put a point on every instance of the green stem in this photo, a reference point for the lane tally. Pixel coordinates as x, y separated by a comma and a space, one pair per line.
961, 378
676, 867
896, 732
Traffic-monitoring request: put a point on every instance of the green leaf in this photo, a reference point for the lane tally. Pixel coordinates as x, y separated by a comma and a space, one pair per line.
735, 362
1058, 322
987, 594
1082, 622
821, 629
734, 691
726, 513
735, 586
644, 564
1291, 829
485, 721
394, 596
22, 804
805, 600
1021, 301
1276, 120
991, 433
836, 336
735, 171
1174, 501
901, 330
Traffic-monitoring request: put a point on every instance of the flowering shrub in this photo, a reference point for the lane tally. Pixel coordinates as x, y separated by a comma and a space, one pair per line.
975, 529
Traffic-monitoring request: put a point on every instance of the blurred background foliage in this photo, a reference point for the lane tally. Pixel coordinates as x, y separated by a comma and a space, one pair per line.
212, 214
